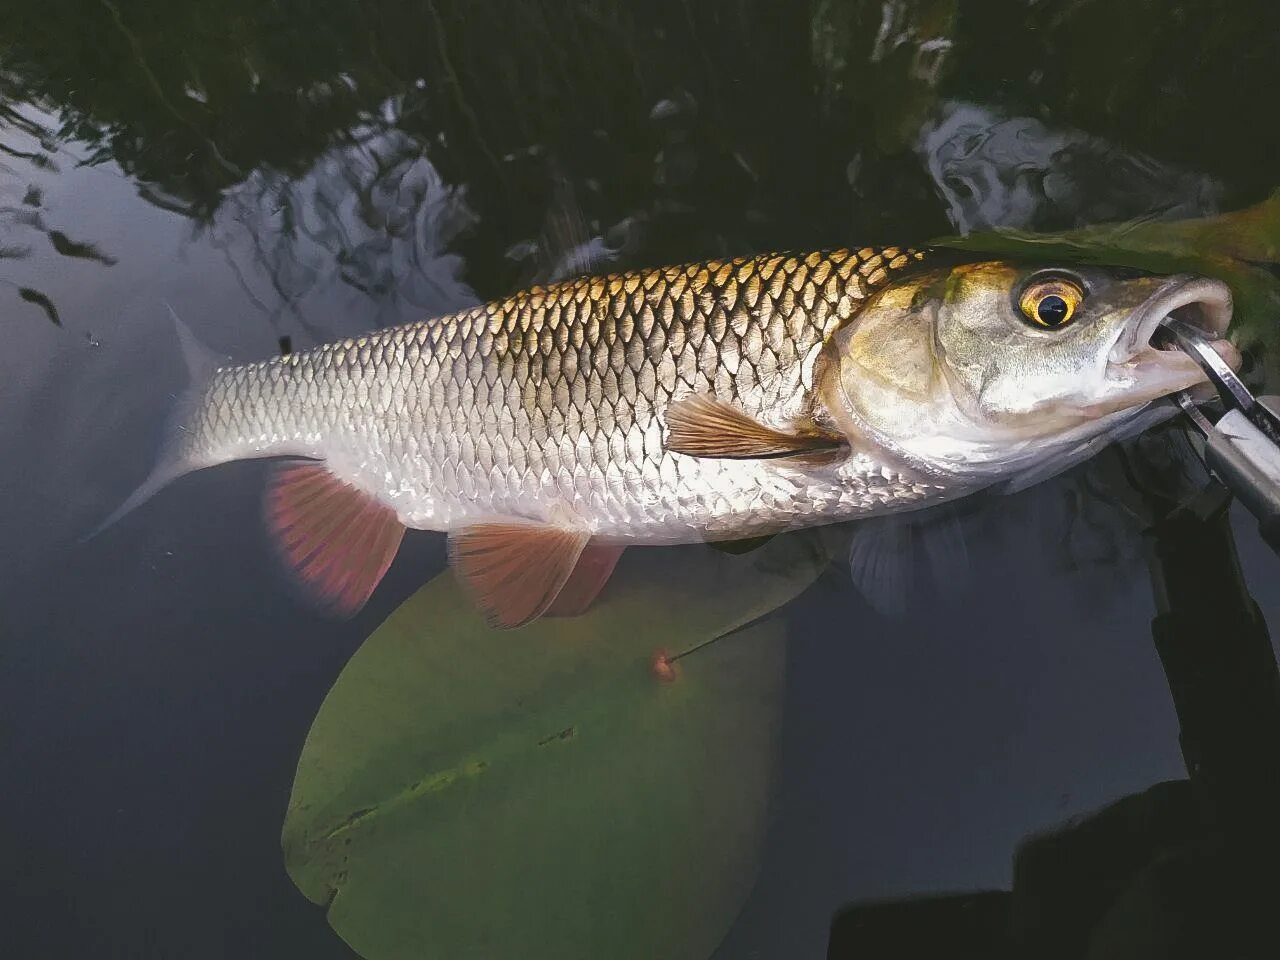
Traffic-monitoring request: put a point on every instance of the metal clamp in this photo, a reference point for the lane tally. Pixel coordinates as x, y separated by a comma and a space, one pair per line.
1193, 342
1243, 448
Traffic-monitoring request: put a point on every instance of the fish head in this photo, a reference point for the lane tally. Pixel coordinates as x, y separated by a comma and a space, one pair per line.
984, 367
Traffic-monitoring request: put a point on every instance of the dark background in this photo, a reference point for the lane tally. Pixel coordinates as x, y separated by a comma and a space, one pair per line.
315, 168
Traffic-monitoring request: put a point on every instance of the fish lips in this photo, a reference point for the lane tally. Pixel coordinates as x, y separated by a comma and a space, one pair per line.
1143, 371
1201, 301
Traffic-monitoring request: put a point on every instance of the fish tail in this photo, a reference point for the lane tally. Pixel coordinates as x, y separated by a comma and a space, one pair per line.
172, 462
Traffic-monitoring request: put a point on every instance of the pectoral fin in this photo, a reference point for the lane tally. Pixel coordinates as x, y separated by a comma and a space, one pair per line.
515, 569
337, 539
698, 426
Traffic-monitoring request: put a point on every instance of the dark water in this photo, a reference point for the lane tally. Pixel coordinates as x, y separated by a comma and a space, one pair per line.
310, 170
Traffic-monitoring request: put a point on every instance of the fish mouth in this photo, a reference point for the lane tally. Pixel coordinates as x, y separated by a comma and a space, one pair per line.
1148, 365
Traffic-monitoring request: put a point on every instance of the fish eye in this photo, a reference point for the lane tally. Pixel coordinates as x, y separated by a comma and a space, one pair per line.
1051, 303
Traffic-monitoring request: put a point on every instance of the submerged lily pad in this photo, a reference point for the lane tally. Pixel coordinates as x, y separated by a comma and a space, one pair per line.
581, 788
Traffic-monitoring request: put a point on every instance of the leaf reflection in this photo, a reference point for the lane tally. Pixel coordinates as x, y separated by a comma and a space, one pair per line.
44, 303
82, 251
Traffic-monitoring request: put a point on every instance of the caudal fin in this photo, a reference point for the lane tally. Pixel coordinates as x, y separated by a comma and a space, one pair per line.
200, 363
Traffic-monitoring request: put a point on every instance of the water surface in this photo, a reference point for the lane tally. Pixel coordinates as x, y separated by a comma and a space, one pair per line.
312, 170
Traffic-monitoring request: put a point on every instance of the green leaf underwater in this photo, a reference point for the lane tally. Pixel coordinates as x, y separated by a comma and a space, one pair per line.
581, 788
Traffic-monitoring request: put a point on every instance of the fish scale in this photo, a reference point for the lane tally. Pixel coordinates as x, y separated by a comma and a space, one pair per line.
549, 405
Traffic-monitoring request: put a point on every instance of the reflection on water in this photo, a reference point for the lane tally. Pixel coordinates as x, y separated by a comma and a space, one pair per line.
313, 170
998, 171
33, 149
372, 216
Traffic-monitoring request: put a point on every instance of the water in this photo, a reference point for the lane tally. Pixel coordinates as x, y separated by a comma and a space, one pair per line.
313, 170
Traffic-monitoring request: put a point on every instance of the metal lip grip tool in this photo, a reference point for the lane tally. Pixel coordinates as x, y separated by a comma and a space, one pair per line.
1243, 448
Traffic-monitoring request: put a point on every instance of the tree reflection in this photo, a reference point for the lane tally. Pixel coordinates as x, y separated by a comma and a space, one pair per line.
32, 147
212, 107
995, 170
769, 124
373, 214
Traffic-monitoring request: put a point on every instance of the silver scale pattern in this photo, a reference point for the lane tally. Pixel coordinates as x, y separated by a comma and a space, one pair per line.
548, 405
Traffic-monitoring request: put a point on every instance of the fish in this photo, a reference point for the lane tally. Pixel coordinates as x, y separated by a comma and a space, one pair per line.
546, 432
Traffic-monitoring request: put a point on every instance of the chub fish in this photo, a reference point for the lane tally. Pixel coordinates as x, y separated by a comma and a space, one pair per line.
721, 400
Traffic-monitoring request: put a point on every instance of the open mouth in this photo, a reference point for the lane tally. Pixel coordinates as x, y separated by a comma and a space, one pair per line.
1199, 301
1147, 357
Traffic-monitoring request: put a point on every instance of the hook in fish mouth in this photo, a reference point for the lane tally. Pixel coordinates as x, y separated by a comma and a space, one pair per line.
1144, 356
1204, 303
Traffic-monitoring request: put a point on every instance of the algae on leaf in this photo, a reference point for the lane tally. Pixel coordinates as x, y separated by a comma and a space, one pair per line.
560, 791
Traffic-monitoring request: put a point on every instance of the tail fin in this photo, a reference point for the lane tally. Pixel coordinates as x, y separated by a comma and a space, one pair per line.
201, 363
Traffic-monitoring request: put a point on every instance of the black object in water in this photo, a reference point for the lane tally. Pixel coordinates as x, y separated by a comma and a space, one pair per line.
1182, 870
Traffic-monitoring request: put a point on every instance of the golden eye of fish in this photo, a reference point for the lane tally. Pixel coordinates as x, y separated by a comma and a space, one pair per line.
1051, 304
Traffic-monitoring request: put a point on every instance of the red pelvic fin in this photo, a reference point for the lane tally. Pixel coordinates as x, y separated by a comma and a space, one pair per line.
338, 540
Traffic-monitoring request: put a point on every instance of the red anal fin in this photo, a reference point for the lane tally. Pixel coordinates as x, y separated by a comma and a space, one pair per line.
336, 539
515, 569
698, 426
592, 572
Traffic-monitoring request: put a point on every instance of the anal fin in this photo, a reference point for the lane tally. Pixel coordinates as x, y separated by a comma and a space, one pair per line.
338, 540
896, 559
515, 569
743, 545
698, 426
590, 574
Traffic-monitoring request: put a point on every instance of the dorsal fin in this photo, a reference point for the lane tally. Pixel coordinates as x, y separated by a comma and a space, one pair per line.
515, 569
338, 540
698, 426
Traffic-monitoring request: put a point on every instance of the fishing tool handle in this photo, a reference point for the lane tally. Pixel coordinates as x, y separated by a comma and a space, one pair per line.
1247, 462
